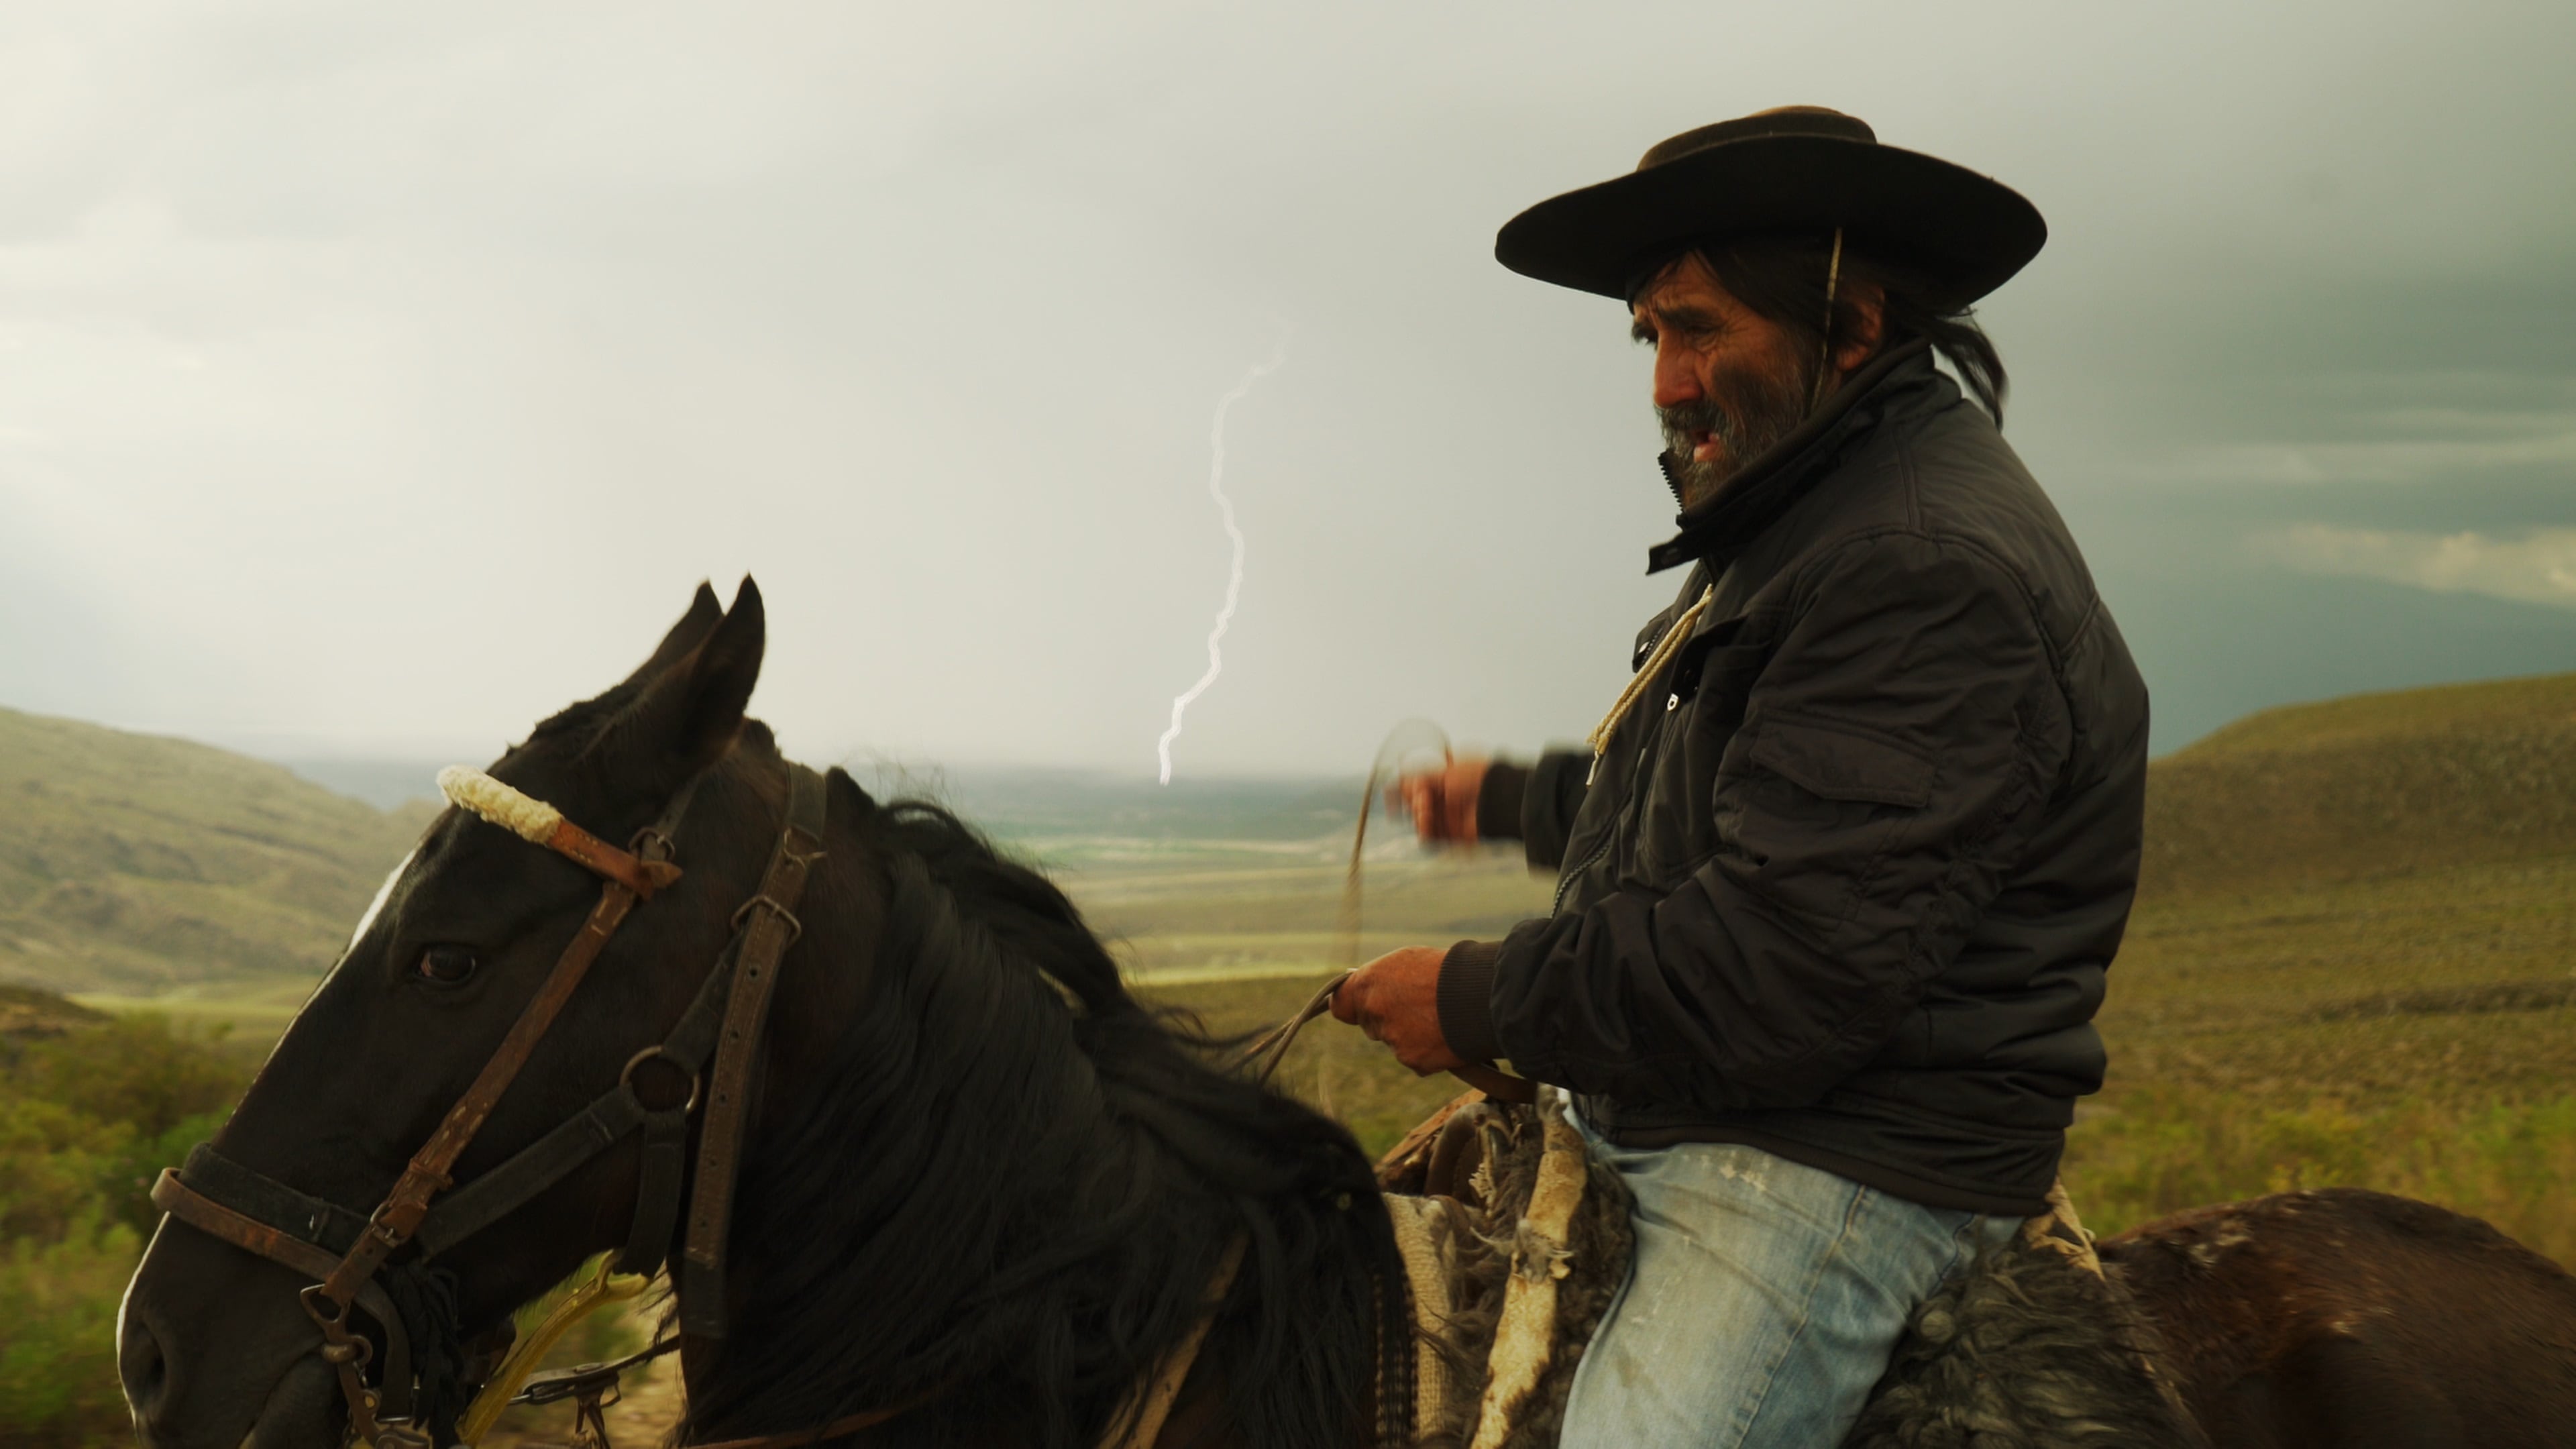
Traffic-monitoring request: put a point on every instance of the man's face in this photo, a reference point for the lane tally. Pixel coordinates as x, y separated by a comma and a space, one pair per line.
1728, 382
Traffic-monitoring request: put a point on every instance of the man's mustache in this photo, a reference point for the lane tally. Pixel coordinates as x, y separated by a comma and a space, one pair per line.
1683, 422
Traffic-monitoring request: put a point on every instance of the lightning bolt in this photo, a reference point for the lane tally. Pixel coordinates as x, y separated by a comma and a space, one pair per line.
1234, 535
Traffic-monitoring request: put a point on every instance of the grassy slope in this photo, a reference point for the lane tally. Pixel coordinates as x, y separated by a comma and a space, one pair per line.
2367, 787
134, 864
2362, 899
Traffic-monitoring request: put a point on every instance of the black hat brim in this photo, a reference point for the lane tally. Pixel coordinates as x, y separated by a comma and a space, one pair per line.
1961, 233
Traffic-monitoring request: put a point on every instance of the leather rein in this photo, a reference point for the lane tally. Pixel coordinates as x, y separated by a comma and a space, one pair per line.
1268, 1050
656, 1095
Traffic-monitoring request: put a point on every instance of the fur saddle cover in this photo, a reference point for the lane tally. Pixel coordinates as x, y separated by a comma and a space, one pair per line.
1517, 1241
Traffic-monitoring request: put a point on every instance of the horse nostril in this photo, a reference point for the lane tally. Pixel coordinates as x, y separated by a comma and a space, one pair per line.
142, 1365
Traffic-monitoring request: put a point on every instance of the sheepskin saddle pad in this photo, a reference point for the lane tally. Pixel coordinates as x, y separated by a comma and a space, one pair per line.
1517, 1241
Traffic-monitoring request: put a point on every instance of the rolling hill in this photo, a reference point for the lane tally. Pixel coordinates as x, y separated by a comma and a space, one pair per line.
133, 863
2368, 786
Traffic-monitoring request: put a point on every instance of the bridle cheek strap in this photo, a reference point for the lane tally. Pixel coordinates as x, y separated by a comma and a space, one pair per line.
769, 927
629, 877
349, 1278
396, 1219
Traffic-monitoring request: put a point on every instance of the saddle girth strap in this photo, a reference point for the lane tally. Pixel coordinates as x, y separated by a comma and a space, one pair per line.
772, 929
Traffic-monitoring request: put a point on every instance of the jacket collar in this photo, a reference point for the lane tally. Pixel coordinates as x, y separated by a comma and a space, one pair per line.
1776, 478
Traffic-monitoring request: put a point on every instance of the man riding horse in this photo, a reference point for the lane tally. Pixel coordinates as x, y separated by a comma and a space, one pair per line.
1841, 874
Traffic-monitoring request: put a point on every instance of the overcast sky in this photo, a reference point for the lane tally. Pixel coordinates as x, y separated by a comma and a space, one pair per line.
376, 379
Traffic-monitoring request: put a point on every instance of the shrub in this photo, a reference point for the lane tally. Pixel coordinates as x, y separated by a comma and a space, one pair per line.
86, 1121
58, 1300
53, 1163
138, 1070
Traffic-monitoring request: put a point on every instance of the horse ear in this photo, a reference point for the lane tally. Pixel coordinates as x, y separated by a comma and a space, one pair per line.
692, 630
692, 708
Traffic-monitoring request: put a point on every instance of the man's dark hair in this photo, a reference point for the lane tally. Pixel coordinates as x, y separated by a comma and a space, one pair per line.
1782, 278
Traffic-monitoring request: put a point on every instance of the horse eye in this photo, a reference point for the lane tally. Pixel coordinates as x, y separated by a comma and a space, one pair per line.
447, 965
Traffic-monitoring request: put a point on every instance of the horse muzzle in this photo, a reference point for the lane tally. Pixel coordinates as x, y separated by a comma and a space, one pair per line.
214, 1353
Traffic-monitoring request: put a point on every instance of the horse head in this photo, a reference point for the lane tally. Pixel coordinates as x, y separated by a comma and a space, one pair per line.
216, 1342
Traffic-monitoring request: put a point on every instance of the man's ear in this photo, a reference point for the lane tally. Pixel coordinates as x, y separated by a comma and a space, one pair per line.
1862, 325
693, 705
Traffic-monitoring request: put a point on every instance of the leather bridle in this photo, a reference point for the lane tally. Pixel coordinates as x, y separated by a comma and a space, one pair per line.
352, 1258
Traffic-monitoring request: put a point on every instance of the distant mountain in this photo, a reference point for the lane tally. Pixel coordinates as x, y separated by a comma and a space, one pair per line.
2371, 785
385, 784
134, 863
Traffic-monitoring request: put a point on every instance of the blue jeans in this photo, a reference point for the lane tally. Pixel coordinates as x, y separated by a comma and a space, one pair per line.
1764, 1302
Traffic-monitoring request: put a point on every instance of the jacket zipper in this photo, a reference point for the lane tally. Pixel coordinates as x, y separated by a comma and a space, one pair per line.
1610, 836
1566, 881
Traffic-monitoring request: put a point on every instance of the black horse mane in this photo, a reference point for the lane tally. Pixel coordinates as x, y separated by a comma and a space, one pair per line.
1010, 1194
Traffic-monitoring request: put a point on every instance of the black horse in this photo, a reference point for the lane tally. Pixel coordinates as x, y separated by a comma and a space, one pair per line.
985, 1185
986, 1191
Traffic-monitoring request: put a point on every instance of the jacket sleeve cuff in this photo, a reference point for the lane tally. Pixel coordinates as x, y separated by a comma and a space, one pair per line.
1466, 1000
1498, 801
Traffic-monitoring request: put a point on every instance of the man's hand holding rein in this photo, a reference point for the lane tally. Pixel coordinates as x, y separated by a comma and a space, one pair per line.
1396, 1000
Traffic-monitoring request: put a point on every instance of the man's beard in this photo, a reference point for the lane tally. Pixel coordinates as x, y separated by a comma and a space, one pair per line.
1747, 410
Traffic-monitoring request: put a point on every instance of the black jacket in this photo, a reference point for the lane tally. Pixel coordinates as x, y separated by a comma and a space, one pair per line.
1847, 880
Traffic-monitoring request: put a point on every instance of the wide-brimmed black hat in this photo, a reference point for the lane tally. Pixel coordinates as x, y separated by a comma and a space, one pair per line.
1796, 169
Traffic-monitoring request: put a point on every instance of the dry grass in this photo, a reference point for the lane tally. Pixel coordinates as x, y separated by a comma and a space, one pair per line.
2415, 1035
2421, 1042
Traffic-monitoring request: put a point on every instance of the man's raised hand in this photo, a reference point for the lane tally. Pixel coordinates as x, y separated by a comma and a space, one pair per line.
1442, 802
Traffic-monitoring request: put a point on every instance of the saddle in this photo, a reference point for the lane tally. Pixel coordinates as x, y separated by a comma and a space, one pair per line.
1515, 1241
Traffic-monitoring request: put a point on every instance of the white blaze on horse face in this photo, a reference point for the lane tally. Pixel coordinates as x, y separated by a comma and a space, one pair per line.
376, 907
366, 922
1234, 572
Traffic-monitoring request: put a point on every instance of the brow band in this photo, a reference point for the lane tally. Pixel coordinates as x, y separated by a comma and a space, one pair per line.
534, 820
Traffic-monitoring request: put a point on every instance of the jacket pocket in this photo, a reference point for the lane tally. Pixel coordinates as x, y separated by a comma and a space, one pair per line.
1840, 762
